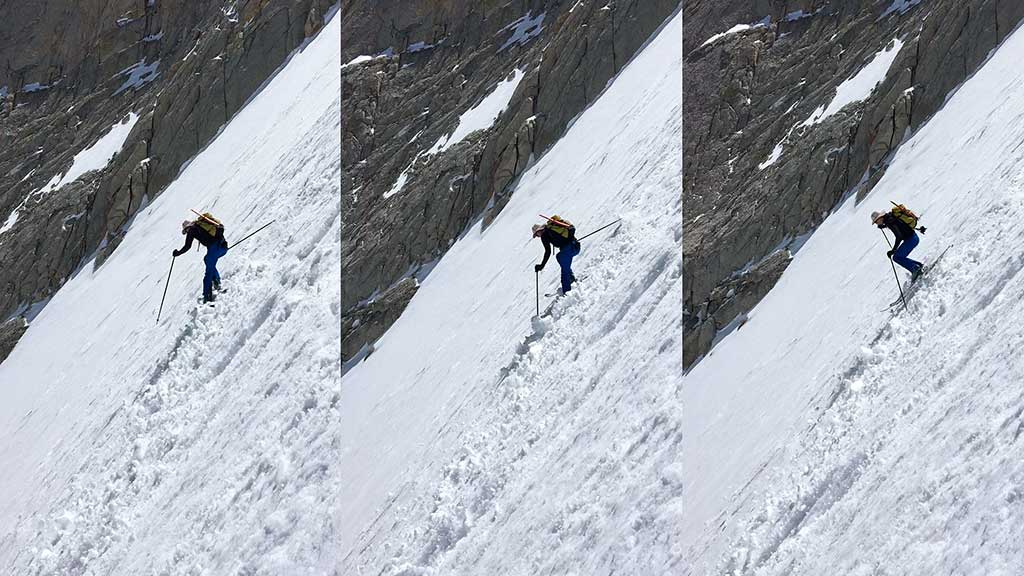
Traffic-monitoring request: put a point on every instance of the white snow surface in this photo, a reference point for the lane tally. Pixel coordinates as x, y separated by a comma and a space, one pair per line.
774, 156
483, 115
826, 436
98, 155
475, 441
204, 444
737, 28
860, 85
479, 117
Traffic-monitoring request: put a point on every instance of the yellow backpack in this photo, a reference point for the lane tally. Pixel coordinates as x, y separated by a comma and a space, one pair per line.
559, 226
905, 214
208, 223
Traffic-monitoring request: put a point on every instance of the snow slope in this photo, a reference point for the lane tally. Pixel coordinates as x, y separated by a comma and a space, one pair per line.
477, 442
203, 444
826, 436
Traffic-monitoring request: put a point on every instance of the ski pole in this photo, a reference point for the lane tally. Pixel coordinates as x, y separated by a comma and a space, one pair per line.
893, 264
165, 292
251, 235
601, 228
536, 277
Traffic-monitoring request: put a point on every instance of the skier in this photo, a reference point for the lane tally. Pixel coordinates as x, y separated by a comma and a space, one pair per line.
210, 233
563, 235
901, 223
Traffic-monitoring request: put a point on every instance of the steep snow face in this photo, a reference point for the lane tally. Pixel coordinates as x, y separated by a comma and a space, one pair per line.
828, 436
475, 441
202, 444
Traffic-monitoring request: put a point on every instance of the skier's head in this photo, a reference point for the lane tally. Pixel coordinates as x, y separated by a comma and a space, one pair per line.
538, 229
876, 217
184, 226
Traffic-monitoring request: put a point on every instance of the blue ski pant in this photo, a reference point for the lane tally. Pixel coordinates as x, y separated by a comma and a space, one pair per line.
213, 253
564, 257
900, 255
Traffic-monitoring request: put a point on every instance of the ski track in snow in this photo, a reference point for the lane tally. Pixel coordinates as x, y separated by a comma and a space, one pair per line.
501, 449
878, 444
204, 444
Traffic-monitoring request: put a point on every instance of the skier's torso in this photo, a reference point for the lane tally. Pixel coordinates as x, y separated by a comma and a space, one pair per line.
555, 239
899, 228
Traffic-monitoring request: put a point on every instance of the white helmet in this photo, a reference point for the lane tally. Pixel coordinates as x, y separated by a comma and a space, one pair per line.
876, 216
185, 225
537, 229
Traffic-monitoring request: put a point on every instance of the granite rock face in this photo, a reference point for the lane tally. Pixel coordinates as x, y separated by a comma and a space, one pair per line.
758, 176
71, 71
411, 70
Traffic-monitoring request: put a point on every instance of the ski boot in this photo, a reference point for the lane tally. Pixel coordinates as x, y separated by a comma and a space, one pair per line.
917, 274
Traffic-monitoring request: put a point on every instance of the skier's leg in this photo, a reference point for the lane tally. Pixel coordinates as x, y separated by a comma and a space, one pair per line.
221, 251
564, 261
211, 272
900, 256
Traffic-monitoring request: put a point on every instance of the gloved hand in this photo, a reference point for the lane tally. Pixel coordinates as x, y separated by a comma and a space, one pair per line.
889, 253
538, 267
175, 253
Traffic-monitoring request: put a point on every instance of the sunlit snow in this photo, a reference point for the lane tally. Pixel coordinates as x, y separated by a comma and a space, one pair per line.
737, 28
475, 440
205, 444
860, 85
483, 115
96, 156
828, 435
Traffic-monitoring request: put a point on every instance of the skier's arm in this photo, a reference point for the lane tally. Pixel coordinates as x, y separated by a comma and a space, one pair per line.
547, 251
887, 223
187, 246
898, 233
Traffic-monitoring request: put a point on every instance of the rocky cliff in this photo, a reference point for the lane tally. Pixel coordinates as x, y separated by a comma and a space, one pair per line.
766, 154
173, 71
423, 156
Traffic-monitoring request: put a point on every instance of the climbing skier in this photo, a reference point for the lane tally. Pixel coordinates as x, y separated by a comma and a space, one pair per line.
210, 233
563, 236
901, 222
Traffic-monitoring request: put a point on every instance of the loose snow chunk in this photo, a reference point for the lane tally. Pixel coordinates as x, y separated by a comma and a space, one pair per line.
154, 37
3, 92
483, 115
860, 85
96, 156
524, 29
139, 74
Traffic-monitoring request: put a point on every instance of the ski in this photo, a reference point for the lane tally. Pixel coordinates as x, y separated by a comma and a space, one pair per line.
912, 288
558, 289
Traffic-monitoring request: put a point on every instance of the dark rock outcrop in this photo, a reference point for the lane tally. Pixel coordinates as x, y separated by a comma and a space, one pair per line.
10, 333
